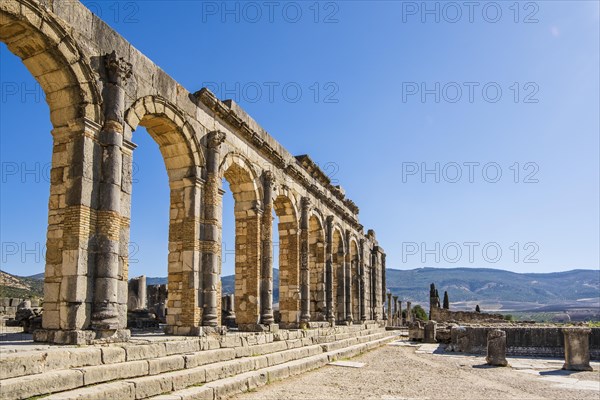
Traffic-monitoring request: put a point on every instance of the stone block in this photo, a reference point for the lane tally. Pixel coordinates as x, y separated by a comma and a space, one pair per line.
577, 349
36, 385
152, 385
165, 364
111, 372
113, 354
496, 348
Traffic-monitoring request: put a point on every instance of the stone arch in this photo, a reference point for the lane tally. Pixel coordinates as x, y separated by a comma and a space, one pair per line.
243, 182
52, 56
316, 265
338, 251
50, 53
289, 257
183, 159
182, 153
354, 279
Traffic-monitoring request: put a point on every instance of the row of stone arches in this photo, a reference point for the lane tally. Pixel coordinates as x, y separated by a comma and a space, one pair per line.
324, 273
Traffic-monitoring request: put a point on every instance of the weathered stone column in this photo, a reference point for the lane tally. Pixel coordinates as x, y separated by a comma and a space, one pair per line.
348, 281
329, 271
266, 278
105, 316
496, 348
400, 321
68, 293
304, 270
136, 298
363, 281
430, 332
374, 287
389, 309
211, 245
395, 318
577, 349
408, 312
383, 283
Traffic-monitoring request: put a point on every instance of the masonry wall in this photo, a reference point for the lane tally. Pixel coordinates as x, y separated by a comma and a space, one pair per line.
523, 341
444, 315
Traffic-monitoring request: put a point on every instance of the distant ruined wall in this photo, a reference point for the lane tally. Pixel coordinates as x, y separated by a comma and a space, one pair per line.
520, 341
9, 305
443, 315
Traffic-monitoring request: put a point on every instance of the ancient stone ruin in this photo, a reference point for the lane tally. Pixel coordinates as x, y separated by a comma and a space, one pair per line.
100, 89
443, 314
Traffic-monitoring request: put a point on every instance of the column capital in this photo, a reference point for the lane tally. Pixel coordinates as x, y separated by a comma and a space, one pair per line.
215, 139
306, 203
268, 177
117, 69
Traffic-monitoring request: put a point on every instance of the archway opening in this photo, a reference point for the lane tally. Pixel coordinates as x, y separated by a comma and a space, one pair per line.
148, 248
242, 185
316, 263
26, 173
165, 213
355, 280
339, 276
288, 237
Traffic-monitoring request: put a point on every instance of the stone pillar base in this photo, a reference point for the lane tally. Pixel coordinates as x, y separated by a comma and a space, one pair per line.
258, 328
81, 337
292, 325
318, 324
194, 330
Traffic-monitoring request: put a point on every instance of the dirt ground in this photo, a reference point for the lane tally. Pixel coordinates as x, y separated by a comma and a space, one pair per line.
402, 371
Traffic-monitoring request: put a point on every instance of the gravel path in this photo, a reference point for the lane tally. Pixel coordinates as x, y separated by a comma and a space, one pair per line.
406, 372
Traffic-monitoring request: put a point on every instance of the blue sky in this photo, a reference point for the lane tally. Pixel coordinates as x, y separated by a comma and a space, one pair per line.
376, 93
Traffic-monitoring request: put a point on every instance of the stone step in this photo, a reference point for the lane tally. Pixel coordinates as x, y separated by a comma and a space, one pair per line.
37, 362
227, 387
147, 361
223, 378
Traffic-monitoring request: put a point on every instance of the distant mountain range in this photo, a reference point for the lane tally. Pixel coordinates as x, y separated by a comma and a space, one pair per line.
495, 288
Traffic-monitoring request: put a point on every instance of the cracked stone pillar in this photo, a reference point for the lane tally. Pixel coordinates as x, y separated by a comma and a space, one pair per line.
329, 271
362, 279
266, 287
304, 270
109, 273
408, 312
577, 349
212, 225
496, 348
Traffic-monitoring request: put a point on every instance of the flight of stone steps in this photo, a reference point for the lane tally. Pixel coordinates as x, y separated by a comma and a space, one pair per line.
211, 367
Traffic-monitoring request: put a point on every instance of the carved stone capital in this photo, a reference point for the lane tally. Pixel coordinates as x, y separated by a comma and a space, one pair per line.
268, 177
306, 203
215, 139
117, 69
329, 220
